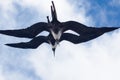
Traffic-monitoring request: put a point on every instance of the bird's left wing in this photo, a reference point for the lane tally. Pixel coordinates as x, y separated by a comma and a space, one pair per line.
34, 43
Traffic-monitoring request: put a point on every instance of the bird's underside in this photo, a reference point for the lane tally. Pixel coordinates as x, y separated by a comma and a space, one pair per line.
56, 31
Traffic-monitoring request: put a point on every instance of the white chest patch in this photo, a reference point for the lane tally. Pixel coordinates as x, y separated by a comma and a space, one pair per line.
56, 36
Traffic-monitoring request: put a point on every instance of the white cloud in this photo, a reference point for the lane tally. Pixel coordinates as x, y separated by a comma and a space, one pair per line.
2, 77
98, 59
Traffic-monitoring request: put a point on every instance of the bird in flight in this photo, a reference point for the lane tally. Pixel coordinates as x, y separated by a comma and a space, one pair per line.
56, 31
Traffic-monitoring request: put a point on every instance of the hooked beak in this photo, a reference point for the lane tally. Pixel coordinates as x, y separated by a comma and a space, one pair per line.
53, 51
57, 41
54, 47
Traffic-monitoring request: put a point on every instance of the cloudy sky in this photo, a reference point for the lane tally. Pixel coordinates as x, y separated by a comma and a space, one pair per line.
98, 59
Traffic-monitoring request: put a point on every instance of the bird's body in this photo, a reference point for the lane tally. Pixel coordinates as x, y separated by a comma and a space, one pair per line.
56, 31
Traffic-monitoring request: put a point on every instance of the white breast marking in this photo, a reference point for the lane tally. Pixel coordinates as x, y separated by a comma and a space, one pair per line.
56, 36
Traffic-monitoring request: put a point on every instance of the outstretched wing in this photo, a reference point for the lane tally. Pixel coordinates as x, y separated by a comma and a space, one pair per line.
77, 39
75, 26
34, 43
85, 37
83, 29
29, 32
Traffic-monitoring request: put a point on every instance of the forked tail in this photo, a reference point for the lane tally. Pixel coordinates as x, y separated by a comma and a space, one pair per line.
53, 12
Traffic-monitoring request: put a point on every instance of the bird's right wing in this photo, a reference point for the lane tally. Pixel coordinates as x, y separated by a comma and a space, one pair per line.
70, 37
89, 35
29, 32
78, 39
85, 30
74, 26
34, 43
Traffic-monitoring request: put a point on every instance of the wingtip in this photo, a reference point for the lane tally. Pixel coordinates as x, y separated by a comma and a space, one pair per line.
10, 45
7, 44
116, 28
2, 31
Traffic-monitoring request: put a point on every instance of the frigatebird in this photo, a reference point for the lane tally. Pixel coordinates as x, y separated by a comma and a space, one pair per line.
56, 31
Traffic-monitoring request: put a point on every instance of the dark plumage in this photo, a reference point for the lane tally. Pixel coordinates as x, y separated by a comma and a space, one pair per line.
56, 31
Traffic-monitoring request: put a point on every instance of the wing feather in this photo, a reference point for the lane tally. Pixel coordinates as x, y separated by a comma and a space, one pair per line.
34, 43
29, 32
83, 29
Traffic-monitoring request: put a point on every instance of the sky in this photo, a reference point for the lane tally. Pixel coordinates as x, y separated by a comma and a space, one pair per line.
98, 59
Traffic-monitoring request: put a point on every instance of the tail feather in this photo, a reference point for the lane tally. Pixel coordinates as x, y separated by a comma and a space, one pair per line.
53, 12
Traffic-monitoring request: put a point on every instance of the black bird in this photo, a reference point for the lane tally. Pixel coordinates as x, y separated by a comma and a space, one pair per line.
56, 31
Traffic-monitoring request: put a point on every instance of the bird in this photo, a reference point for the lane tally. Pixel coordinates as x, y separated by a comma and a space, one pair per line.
56, 31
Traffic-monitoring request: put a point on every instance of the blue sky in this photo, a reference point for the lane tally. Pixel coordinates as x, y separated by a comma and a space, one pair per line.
98, 59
